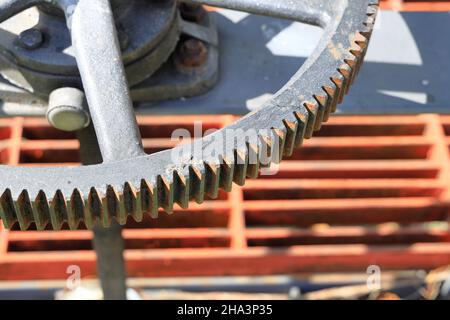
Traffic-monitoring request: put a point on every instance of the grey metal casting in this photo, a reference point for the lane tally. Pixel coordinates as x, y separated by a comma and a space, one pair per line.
97, 50
133, 186
41, 59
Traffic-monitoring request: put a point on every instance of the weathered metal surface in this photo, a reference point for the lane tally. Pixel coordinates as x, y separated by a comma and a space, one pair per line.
150, 27
155, 181
97, 50
148, 33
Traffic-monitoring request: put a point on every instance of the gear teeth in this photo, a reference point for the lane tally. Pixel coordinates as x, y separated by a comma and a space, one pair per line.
58, 210
41, 211
370, 21
24, 210
253, 161
73, 213
368, 25
279, 135
122, 212
361, 41
353, 64
8, 210
291, 133
308, 118
320, 116
314, 119
106, 200
372, 12
372, 8
181, 189
111, 207
165, 194
346, 73
339, 83
332, 98
366, 32
212, 179
266, 146
90, 218
302, 120
198, 181
226, 174
95, 206
78, 209
131, 199
324, 105
149, 198
241, 165
357, 52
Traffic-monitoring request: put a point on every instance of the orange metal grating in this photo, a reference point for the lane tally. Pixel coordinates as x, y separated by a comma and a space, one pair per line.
365, 190
416, 5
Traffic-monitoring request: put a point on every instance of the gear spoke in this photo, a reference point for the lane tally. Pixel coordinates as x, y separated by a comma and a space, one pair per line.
316, 12
98, 55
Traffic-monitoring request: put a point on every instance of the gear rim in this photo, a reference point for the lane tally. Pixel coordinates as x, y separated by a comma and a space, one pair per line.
110, 193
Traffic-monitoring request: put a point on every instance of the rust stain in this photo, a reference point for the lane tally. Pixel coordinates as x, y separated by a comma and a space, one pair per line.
334, 51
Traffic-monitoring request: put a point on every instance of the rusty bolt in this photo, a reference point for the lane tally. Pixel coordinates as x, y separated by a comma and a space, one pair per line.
31, 39
192, 53
192, 12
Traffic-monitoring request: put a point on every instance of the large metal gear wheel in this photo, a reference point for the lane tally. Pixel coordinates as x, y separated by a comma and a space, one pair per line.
131, 183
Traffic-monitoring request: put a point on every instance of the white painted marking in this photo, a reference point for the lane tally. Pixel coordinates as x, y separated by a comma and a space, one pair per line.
234, 16
392, 41
417, 97
297, 40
